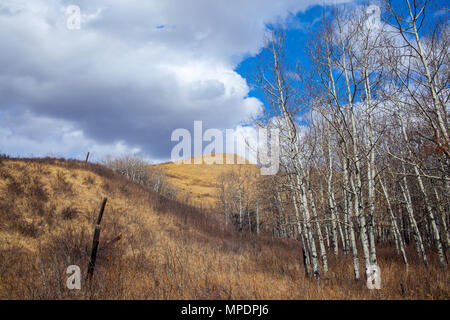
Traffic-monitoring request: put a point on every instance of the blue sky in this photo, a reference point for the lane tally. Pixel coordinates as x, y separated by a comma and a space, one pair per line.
301, 26
298, 29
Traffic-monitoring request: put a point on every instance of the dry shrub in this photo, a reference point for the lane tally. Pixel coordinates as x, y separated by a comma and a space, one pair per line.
8, 211
69, 213
61, 186
124, 189
14, 188
28, 229
89, 181
36, 190
107, 187
36, 207
43, 277
137, 170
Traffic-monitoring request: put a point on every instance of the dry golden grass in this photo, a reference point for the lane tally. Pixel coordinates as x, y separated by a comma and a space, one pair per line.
199, 182
168, 250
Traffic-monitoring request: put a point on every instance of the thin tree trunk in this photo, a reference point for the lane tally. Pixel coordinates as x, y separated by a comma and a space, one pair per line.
409, 209
331, 197
323, 253
397, 236
434, 228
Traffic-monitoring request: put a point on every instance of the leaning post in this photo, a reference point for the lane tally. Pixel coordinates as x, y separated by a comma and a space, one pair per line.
95, 242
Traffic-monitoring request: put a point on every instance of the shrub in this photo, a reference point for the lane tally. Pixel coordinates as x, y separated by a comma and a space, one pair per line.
89, 181
28, 229
7, 212
107, 187
137, 170
134, 168
61, 185
37, 190
69, 213
14, 187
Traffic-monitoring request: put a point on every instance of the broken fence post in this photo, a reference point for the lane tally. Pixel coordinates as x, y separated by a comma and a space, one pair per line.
100, 215
95, 242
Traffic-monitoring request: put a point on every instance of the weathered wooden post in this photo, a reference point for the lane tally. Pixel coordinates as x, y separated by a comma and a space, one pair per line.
87, 157
95, 242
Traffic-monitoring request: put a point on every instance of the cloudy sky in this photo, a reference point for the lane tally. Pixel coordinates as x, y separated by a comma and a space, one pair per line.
134, 71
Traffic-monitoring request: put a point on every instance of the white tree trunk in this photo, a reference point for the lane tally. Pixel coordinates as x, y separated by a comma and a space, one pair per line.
434, 228
397, 235
409, 209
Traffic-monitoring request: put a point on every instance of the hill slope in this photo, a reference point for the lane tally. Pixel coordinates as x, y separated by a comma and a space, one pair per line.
200, 182
167, 250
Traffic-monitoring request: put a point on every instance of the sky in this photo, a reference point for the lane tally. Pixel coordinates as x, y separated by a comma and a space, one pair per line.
134, 71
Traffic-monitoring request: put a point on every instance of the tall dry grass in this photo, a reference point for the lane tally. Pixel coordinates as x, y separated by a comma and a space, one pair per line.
168, 250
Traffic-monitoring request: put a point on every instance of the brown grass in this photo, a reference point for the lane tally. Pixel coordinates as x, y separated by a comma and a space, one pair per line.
168, 250
199, 183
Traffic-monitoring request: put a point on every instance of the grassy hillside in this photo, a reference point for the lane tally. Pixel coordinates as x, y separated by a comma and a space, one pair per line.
167, 250
199, 182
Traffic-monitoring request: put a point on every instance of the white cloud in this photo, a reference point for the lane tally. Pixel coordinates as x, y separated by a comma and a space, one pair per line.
135, 71
41, 136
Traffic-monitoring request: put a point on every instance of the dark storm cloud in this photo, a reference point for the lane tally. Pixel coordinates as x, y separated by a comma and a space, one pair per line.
122, 82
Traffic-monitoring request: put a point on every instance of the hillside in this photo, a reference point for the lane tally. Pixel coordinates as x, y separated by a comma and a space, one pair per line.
200, 182
167, 250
